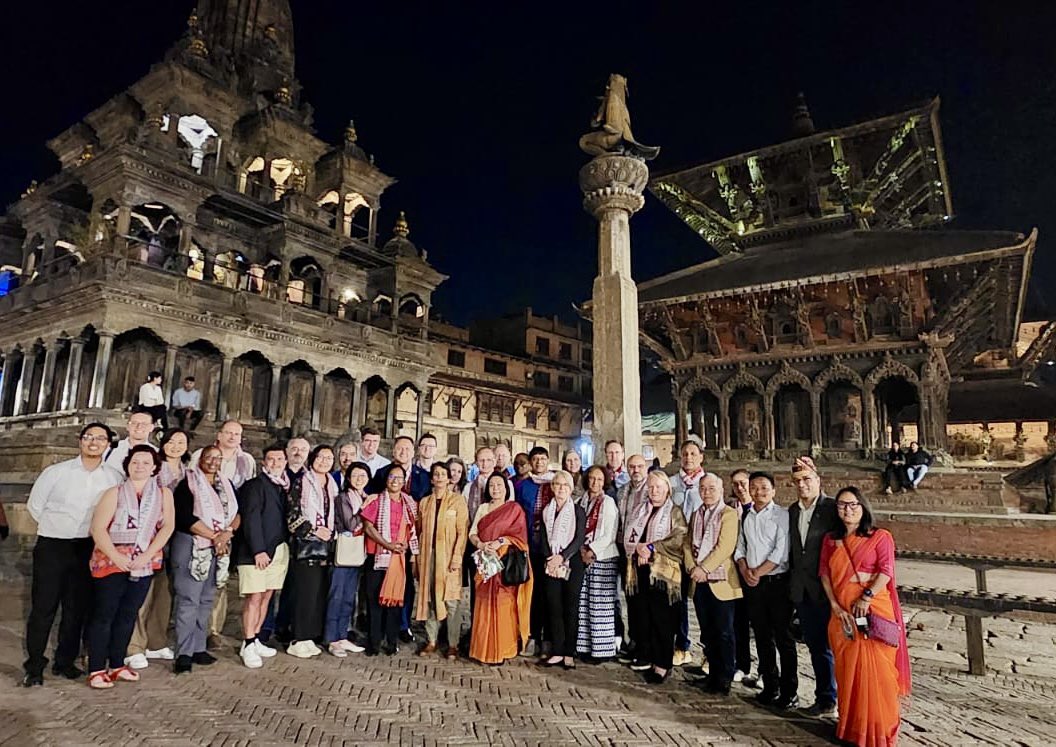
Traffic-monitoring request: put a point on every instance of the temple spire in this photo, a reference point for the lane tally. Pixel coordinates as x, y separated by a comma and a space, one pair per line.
802, 124
262, 29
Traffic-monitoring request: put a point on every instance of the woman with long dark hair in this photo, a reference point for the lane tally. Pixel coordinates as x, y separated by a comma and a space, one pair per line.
456, 467
866, 631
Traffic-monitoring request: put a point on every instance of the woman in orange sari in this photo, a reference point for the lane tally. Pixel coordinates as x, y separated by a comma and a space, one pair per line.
502, 613
866, 631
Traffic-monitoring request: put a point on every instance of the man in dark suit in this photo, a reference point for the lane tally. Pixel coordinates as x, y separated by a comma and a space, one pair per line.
810, 518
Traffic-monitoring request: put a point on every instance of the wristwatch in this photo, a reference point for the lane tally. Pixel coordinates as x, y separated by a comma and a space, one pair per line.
868, 593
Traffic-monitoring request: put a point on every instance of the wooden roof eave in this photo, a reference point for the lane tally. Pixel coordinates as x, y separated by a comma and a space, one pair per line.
1026, 246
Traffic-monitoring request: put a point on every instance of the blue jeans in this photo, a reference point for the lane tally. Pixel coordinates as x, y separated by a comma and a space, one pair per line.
344, 586
814, 619
916, 474
716, 631
682, 642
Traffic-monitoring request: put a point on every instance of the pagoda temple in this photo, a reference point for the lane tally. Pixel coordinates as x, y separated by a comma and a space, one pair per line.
842, 307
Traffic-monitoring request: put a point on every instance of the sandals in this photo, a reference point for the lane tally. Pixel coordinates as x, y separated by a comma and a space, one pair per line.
124, 674
100, 680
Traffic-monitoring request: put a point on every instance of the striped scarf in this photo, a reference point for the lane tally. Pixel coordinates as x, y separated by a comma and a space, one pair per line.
137, 519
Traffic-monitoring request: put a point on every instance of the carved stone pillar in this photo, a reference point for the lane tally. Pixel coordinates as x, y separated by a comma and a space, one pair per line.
168, 386
5, 379
1020, 442
47, 379
372, 230
815, 422
681, 416
724, 423
360, 409
273, 396
868, 419
25, 383
71, 384
419, 424
353, 410
769, 434
390, 414
102, 367
223, 391
1050, 435
124, 220
612, 192
317, 400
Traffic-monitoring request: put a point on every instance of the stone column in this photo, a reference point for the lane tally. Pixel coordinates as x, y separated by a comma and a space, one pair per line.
5, 379
223, 390
612, 191
47, 379
681, 426
815, 422
317, 400
273, 396
390, 414
419, 422
724, 423
102, 367
868, 420
25, 383
769, 435
372, 230
124, 220
71, 385
168, 386
354, 405
359, 410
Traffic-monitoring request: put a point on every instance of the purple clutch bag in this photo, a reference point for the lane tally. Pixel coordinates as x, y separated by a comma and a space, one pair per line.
884, 630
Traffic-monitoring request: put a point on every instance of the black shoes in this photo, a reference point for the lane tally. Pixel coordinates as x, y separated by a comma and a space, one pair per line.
204, 658
787, 702
33, 679
768, 697
69, 671
821, 710
182, 664
638, 665
655, 678
716, 687
406, 636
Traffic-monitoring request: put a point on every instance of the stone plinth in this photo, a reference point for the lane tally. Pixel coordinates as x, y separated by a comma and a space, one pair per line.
612, 191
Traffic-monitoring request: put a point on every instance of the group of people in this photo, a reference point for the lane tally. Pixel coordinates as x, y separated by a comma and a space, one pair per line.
905, 468
338, 549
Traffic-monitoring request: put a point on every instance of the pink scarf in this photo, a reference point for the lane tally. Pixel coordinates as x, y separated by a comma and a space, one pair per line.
593, 509
658, 529
560, 525
706, 526
317, 500
167, 477
283, 480
383, 557
137, 519
214, 510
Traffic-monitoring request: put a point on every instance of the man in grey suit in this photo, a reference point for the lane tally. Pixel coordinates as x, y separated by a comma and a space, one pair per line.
810, 518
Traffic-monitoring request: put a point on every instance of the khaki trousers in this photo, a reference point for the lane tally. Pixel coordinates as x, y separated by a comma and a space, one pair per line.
152, 623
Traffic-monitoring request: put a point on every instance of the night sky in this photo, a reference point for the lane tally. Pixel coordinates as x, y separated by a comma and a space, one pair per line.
477, 110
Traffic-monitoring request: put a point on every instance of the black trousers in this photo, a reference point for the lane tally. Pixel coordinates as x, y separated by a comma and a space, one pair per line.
384, 622
60, 577
742, 633
562, 609
537, 627
187, 422
895, 477
313, 589
118, 598
658, 619
715, 618
770, 609
160, 414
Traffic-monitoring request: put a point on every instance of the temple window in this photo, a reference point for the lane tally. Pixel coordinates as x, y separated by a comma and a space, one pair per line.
196, 132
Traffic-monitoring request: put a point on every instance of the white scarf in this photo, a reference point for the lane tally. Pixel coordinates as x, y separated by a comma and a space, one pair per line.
283, 480
167, 477
215, 511
706, 528
560, 526
136, 520
658, 529
317, 501
632, 500
382, 556
543, 478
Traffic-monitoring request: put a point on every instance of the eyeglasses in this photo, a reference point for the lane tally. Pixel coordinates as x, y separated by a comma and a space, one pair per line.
395, 476
841, 506
98, 439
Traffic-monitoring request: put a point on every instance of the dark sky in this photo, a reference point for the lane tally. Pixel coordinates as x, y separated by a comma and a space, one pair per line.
477, 110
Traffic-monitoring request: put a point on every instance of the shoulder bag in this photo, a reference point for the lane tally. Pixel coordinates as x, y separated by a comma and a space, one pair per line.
515, 567
350, 551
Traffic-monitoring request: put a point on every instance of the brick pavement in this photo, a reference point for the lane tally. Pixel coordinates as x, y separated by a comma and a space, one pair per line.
407, 700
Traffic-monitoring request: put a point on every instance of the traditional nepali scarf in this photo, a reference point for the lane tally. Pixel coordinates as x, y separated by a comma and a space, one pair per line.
691, 480
244, 467
560, 525
706, 527
283, 480
215, 510
351, 504
659, 528
168, 477
383, 557
633, 498
542, 498
317, 506
475, 494
137, 520
593, 509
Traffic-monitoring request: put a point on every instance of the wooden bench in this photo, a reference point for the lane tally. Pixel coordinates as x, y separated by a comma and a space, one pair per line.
979, 563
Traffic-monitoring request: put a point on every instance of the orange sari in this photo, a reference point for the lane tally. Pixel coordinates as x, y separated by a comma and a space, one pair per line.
502, 614
869, 676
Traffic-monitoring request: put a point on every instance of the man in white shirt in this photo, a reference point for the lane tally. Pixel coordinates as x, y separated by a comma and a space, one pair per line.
762, 559
62, 501
139, 426
152, 399
186, 403
368, 451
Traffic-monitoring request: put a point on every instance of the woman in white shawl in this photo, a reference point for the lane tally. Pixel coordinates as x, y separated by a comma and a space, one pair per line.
563, 526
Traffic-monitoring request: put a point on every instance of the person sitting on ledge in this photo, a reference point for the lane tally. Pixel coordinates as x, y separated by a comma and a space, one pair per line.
917, 463
895, 471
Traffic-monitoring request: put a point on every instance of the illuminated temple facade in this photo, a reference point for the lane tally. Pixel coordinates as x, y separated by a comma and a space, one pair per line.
842, 310
199, 226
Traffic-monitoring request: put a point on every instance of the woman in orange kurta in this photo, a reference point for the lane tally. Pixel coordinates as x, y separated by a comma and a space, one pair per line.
857, 570
502, 613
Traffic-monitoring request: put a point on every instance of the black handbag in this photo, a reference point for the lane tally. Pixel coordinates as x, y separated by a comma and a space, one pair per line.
515, 567
310, 548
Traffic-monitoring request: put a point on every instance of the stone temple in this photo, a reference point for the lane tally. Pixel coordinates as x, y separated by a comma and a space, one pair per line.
198, 226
